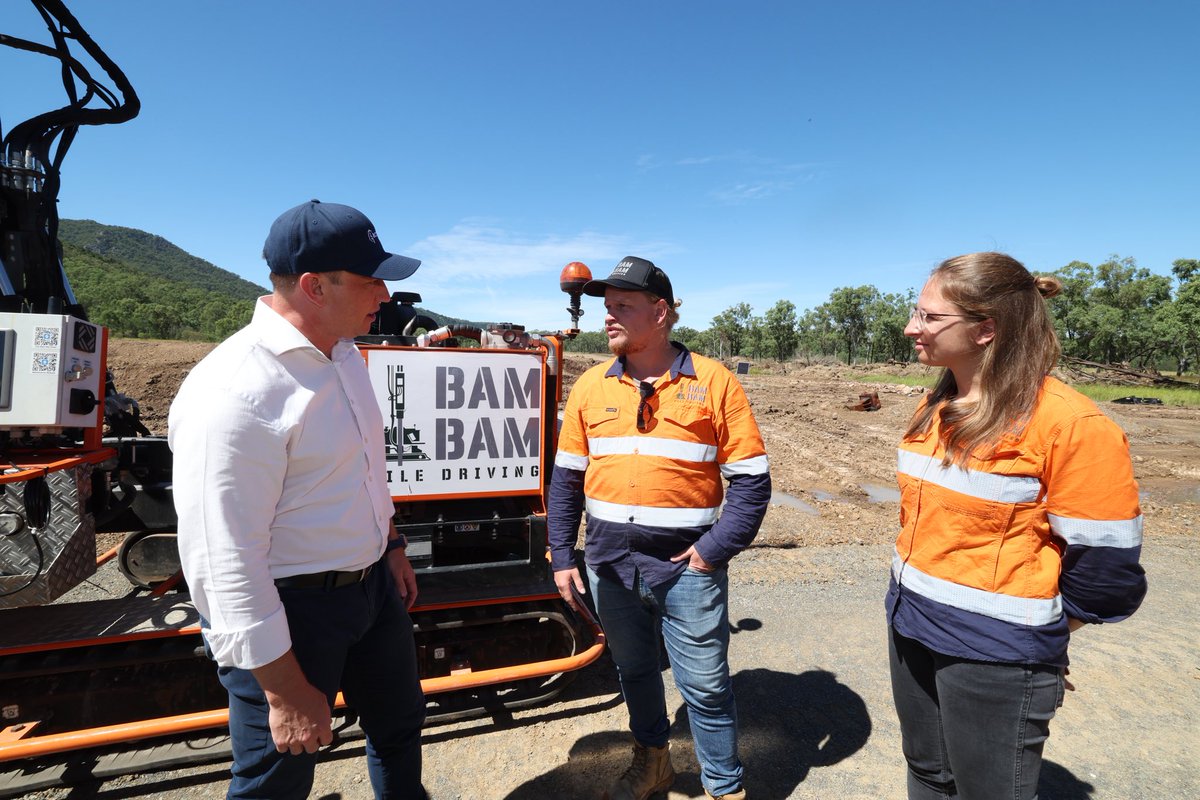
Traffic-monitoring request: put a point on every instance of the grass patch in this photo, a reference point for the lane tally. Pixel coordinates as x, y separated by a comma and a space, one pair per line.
1170, 395
1099, 392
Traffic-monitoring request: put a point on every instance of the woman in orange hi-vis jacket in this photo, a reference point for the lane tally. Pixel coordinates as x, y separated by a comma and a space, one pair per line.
1019, 524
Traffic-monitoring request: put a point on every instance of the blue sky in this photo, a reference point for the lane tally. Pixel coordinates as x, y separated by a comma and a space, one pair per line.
756, 151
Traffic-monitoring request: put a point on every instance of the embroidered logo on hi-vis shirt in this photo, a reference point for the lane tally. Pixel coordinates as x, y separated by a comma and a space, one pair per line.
693, 393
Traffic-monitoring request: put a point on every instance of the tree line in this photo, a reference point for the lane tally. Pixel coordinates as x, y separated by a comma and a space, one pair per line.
133, 304
1116, 312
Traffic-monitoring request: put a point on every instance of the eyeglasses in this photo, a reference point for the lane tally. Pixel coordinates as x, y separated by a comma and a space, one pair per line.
646, 390
924, 317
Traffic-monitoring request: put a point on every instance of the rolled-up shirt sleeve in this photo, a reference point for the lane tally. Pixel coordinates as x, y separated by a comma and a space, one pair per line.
229, 469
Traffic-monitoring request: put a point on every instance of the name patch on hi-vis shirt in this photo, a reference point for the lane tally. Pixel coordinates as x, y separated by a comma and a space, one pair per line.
460, 422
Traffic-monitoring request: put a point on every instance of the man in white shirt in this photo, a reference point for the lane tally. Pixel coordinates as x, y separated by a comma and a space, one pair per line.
285, 517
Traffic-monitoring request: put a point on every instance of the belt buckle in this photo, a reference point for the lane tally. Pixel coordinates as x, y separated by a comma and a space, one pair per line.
336, 580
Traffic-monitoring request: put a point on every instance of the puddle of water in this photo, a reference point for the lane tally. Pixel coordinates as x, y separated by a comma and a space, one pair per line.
1165, 490
824, 497
784, 499
881, 494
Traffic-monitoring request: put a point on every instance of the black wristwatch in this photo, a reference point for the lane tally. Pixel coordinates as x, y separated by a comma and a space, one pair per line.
399, 542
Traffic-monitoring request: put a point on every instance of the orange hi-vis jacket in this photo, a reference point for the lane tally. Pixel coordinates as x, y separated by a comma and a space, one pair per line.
651, 492
993, 558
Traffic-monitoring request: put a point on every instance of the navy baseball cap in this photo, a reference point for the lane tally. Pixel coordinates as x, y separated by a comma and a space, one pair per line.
328, 237
634, 274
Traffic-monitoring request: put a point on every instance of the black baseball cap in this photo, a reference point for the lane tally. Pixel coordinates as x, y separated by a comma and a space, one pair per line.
634, 274
328, 237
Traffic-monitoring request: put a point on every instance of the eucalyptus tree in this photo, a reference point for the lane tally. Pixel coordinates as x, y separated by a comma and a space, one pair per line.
850, 310
692, 339
816, 333
1185, 311
780, 324
887, 317
1113, 312
731, 327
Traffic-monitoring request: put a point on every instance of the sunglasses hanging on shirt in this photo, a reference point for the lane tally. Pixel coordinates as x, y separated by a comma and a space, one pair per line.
644, 413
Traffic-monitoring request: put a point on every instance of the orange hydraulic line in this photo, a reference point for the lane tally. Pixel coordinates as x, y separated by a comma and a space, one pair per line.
39, 746
113, 734
167, 585
107, 556
488, 677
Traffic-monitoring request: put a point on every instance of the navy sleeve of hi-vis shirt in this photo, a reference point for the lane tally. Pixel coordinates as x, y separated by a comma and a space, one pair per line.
564, 512
746, 502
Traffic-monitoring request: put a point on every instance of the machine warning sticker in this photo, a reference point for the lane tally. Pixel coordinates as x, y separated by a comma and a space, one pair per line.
45, 362
45, 337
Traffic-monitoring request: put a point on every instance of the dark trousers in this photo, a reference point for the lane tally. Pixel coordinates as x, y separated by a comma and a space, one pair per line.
357, 639
971, 730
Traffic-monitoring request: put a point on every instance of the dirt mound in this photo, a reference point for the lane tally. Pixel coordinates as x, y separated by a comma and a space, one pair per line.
150, 371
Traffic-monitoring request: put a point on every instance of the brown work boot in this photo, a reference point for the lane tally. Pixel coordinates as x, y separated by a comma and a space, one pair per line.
740, 794
650, 772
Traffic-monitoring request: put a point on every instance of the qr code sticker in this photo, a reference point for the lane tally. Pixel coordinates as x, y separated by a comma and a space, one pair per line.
45, 337
45, 362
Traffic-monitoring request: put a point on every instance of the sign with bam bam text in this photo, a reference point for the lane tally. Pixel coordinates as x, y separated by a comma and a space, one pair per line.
460, 422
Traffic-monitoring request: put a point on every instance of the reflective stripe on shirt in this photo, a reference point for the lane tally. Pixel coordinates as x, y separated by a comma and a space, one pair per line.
697, 452
1099, 532
649, 515
1004, 607
747, 466
973, 483
570, 461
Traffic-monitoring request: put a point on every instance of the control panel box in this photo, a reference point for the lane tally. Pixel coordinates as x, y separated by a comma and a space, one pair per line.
51, 368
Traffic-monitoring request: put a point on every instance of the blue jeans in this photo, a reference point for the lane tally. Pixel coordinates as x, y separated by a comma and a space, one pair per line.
971, 730
358, 639
693, 610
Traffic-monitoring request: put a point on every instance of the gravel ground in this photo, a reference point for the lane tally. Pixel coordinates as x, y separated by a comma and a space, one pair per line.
809, 658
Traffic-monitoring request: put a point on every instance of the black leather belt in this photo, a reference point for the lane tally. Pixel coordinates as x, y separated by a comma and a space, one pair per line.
324, 580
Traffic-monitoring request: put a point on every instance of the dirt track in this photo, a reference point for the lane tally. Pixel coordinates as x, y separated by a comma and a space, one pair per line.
809, 653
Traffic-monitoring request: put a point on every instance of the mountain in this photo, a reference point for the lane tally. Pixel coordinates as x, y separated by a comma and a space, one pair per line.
154, 256
139, 285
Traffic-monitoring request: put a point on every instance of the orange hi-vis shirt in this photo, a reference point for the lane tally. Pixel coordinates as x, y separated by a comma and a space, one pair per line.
651, 493
992, 559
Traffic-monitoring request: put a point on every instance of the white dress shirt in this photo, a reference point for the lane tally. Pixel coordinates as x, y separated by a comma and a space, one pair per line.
278, 470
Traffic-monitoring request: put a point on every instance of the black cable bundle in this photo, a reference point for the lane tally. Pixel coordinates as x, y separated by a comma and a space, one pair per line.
37, 502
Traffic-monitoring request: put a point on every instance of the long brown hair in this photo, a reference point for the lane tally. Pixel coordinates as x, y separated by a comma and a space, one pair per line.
1023, 350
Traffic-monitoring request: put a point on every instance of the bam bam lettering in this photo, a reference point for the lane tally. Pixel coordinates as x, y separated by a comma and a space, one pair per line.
507, 391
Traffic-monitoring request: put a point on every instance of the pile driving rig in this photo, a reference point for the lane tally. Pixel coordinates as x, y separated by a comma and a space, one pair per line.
470, 436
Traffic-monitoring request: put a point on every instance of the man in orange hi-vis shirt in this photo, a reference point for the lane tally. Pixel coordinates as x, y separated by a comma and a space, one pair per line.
645, 443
